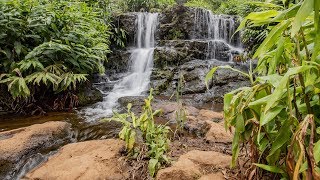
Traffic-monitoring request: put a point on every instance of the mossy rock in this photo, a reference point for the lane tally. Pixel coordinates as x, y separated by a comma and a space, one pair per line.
88, 96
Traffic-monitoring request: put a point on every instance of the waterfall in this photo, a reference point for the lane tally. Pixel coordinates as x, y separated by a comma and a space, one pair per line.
220, 33
138, 78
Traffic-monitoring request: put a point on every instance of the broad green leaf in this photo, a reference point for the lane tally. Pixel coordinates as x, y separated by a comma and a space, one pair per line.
268, 116
209, 75
277, 58
235, 148
282, 85
132, 139
282, 137
240, 123
304, 11
287, 14
262, 16
271, 38
316, 150
152, 166
273, 169
316, 49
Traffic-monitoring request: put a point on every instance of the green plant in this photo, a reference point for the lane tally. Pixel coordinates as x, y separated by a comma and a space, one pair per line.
51, 46
180, 112
147, 5
155, 137
278, 116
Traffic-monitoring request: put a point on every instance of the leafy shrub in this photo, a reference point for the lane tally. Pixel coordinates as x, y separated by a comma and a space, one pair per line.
278, 116
155, 137
50, 44
147, 5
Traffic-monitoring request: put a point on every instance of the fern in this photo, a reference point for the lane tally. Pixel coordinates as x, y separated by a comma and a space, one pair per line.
53, 44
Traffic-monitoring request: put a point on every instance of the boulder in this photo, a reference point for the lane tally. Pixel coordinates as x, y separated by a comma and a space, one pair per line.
118, 61
161, 78
194, 73
217, 91
169, 110
213, 176
97, 159
204, 125
18, 145
191, 165
87, 95
207, 115
217, 133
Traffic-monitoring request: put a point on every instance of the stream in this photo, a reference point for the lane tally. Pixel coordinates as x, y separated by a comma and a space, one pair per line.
85, 121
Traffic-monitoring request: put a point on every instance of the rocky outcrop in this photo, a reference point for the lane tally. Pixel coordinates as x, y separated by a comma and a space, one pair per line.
127, 22
217, 133
189, 42
192, 166
118, 62
177, 23
193, 74
16, 146
98, 159
203, 123
88, 95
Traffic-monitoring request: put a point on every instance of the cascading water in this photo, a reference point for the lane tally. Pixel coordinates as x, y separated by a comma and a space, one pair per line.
138, 78
219, 32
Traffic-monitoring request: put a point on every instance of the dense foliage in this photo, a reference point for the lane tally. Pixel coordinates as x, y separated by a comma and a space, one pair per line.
277, 118
142, 5
50, 44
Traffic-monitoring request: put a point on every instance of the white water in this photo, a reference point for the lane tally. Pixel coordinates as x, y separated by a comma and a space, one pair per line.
138, 79
217, 29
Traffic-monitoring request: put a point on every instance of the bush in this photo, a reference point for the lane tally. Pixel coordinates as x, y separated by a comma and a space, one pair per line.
50, 44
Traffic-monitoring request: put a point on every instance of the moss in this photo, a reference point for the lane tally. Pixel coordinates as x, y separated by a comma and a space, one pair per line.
175, 34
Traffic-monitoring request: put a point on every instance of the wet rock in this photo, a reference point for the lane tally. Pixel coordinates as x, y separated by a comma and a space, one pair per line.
118, 62
127, 22
98, 159
191, 165
161, 78
178, 52
16, 146
177, 23
88, 95
134, 100
217, 91
194, 73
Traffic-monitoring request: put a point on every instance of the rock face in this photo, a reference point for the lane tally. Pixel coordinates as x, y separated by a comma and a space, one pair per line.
191, 166
19, 144
88, 95
98, 159
190, 41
